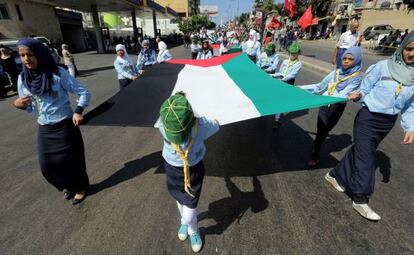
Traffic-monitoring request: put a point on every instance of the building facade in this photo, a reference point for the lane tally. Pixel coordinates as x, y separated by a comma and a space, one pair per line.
20, 18
180, 6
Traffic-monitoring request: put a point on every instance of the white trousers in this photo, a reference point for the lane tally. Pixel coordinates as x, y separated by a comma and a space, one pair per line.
71, 69
188, 217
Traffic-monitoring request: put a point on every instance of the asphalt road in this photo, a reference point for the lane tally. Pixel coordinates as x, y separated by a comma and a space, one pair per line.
322, 50
258, 196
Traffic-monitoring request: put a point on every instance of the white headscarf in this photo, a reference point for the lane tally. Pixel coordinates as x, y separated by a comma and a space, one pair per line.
162, 46
126, 58
250, 43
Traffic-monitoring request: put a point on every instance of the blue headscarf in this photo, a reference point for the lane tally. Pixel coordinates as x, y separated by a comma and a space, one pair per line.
356, 52
38, 81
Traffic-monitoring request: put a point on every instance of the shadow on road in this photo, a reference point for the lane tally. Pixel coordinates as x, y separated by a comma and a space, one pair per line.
131, 170
251, 148
384, 164
90, 72
232, 209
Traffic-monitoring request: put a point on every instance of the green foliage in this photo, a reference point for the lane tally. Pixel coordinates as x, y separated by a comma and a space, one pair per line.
195, 23
319, 7
244, 19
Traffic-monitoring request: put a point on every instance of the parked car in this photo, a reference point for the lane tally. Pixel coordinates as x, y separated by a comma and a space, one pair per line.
12, 45
373, 32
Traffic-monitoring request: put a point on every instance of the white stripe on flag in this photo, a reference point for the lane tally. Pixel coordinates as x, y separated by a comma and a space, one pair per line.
214, 95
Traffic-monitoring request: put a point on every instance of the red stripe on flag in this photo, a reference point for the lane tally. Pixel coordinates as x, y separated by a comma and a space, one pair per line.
215, 46
205, 63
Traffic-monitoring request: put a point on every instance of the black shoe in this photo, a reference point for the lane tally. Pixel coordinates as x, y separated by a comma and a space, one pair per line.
68, 195
78, 201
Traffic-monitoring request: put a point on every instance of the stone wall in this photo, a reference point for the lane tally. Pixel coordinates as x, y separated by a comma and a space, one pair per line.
397, 19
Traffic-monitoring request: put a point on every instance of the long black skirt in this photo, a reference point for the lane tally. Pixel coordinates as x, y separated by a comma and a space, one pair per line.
62, 156
175, 183
328, 117
356, 171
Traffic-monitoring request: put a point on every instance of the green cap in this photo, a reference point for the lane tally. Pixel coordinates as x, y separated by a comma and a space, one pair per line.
270, 49
294, 47
177, 117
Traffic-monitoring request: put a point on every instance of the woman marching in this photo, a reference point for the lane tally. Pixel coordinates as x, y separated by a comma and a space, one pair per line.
386, 91
127, 71
183, 154
68, 60
339, 83
43, 89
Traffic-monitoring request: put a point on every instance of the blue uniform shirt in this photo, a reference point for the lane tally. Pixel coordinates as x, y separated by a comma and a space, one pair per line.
149, 60
55, 107
202, 55
291, 71
322, 87
268, 63
251, 51
125, 70
206, 128
379, 94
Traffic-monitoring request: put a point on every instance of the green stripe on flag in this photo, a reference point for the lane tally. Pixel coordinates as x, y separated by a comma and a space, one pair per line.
269, 95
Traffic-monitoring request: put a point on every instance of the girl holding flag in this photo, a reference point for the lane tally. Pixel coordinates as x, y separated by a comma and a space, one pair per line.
288, 71
183, 154
386, 91
252, 47
339, 83
125, 68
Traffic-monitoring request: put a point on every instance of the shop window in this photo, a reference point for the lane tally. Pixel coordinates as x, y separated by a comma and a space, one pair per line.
4, 14
19, 13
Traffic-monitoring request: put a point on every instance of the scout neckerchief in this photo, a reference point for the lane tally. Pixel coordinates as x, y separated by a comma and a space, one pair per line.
398, 89
37, 104
290, 64
184, 156
332, 86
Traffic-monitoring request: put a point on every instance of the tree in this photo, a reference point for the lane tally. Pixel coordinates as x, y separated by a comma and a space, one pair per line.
195, 23
319, 7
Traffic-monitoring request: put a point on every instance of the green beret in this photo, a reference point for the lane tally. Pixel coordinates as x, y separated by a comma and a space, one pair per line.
177, 118
270, 49
294, 47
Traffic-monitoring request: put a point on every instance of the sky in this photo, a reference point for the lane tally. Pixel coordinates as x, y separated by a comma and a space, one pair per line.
228, 8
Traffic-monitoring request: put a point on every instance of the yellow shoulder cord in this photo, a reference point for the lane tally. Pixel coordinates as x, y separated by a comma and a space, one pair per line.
288, 66
332, 86
184, 156
398, 90
37, 104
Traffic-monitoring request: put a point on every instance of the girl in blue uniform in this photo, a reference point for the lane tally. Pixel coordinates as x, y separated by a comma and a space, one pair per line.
43, 89
269, 59
252, 46
125, 68
147, 57
386, 91
288, 71
183, 154
339, 83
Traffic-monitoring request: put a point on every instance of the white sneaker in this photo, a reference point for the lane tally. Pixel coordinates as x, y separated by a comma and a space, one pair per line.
366, 211
334, 183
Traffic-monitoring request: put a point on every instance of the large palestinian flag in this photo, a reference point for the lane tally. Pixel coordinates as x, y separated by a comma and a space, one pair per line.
229, 88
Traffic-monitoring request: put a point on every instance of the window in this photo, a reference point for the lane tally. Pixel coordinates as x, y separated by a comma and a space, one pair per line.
4, 14
19, 13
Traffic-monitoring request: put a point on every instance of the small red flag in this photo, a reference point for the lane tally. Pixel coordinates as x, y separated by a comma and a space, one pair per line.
290, 6
306, 19
274, 24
